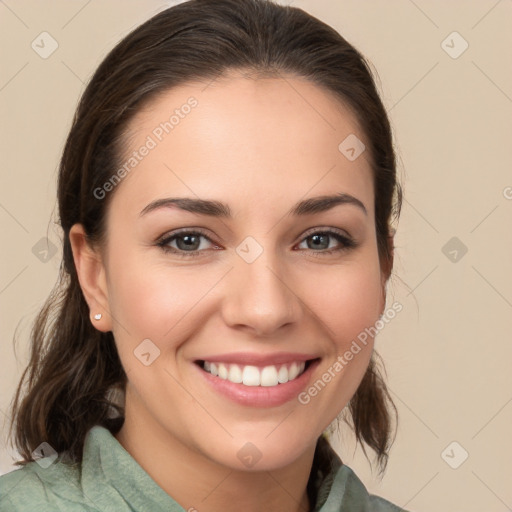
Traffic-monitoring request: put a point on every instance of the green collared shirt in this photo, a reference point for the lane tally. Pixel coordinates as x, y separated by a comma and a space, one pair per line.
110, 480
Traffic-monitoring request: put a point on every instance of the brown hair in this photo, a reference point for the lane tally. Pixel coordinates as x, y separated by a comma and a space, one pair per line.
73, 369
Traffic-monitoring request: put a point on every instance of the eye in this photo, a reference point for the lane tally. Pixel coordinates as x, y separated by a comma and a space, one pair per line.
187, 243
190, 243
320, 242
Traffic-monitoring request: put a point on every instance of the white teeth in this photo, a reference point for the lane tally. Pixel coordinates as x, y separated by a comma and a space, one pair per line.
269, 376
223, 371
249, 375
293, 371
282, 375
235, 374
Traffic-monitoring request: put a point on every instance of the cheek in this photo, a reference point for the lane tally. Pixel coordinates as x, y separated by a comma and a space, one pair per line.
346, 301
147, 302
155, 301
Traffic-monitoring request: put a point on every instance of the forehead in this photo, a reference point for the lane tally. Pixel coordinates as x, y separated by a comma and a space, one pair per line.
242, 138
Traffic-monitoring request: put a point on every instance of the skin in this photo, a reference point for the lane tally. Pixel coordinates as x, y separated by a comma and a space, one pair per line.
260, 146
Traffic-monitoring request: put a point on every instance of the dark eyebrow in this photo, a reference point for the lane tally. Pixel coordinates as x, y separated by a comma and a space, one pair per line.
324, 203
218, 209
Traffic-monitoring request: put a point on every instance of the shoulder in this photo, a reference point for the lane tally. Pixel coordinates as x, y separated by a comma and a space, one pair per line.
58, 483
371, 503
106, 478
340, 489
45, 488
348, 493
378, 504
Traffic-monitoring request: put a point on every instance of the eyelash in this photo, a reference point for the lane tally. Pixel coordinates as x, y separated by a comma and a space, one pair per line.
346, 242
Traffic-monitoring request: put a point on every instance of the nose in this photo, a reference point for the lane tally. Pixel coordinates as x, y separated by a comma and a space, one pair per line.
260, 297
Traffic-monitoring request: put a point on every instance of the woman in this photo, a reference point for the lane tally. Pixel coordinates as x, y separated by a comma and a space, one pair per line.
226, 195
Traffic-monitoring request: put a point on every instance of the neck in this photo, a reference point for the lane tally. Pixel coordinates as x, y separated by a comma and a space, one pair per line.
199, 484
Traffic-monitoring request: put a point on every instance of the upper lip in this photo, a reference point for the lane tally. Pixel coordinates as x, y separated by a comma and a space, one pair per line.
258, 359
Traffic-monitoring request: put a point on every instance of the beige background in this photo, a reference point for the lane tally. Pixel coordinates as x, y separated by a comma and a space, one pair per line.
448, 353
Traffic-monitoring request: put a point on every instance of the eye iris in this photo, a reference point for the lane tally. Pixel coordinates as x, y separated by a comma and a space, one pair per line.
321, 241
190, 241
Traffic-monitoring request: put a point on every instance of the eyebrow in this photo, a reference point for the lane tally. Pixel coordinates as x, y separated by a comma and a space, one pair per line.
222, 210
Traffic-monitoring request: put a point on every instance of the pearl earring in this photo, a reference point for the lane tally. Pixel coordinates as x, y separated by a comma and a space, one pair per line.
97, 316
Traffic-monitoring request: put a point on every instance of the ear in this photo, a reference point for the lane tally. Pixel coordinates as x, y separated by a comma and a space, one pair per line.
387, 266
91, 275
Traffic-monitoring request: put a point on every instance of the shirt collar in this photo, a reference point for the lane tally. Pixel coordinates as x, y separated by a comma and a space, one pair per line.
121, 473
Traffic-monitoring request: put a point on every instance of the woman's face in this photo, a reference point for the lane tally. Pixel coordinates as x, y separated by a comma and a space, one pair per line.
254, 285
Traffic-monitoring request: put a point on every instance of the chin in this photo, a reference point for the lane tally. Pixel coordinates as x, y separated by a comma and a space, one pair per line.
261, 453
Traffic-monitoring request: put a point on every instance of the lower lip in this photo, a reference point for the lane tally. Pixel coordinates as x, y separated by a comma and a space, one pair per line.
260, 396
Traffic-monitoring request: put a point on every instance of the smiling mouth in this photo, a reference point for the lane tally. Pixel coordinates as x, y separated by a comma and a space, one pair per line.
249, 375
